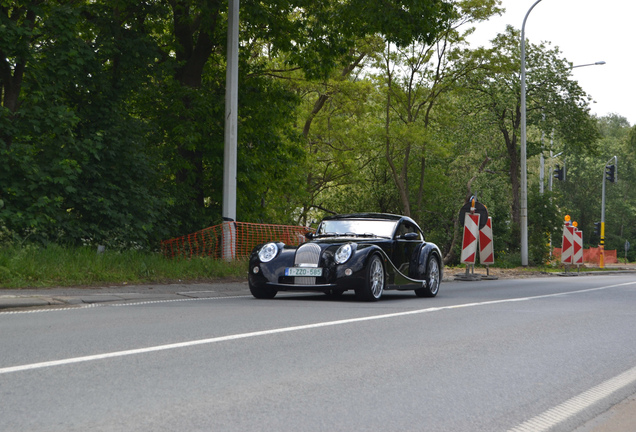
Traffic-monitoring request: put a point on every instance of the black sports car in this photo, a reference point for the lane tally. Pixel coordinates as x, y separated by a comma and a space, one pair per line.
366, 252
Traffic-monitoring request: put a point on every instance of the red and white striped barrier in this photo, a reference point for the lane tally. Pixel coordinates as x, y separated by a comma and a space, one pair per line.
568, 244
486, 249
469, 242
577, 247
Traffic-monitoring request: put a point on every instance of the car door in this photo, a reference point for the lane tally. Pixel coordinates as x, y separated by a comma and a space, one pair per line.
408, 241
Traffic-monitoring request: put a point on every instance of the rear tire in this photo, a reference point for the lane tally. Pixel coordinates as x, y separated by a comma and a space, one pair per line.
430, 287
374, 283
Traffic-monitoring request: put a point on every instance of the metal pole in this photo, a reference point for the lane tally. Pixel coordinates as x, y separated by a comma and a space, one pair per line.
601, 262
231, 119
524, 171
551, 175
601, 259
598, 63
541, 163
550, 189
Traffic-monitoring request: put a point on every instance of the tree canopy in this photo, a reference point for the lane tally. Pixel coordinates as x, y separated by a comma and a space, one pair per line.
112, 117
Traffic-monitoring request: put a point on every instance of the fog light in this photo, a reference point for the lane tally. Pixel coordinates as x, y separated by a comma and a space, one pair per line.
255, 270
348, 272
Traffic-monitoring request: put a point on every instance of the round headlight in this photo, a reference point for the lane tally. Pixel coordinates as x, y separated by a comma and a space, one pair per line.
343, 253
268, 252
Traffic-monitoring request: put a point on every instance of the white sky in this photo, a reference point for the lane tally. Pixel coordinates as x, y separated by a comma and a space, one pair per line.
586, 31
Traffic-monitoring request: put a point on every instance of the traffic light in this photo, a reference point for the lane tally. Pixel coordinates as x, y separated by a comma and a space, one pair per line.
559, 173
597, 229
610, 173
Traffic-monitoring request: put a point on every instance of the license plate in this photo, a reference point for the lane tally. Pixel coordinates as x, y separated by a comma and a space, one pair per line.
303, 271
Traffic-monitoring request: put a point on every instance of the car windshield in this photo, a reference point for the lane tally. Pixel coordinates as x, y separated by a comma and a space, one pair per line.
380, 228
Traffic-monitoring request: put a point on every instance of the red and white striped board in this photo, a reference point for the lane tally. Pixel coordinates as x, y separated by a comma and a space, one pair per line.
577, 247
567, 250
486, 249
469, 242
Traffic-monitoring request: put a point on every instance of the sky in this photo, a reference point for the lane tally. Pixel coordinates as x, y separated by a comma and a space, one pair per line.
586, 31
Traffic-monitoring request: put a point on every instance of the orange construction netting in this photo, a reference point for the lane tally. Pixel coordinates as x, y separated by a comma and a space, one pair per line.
209, 241
592, 255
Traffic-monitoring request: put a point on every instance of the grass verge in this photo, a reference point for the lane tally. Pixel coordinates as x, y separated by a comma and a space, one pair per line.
55, 266
31, 266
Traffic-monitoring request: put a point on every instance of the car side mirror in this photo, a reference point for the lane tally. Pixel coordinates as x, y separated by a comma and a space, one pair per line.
309, 235
410, 236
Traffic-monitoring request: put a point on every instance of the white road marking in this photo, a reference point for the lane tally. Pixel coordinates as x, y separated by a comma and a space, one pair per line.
577, 404
135, 303
21, 368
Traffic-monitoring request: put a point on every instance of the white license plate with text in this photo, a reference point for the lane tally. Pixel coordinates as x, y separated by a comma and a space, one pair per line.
303, 271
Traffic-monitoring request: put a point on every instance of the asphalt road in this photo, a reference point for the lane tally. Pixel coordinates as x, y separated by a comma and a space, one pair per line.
507, 355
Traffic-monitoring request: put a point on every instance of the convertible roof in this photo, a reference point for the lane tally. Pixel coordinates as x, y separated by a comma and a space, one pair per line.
376, 216
385, 216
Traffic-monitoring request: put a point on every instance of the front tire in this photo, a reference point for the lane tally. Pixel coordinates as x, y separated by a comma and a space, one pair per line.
374, 283
430, 287
262, 291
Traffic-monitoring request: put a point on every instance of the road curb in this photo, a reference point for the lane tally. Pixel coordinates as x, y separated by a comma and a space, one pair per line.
594, 273
30, 298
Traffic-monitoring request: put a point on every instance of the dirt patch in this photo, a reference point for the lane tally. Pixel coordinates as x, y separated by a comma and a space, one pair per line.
501, 273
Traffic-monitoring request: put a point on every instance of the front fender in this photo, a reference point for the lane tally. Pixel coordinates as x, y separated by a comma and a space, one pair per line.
358, 264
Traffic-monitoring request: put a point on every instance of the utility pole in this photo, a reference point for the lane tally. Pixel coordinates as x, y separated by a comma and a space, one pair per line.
231, 120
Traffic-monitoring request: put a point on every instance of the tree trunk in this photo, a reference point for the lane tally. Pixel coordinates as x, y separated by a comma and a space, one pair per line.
400, 178
515, 182
11, 80
195, 46
514, 173
313, 186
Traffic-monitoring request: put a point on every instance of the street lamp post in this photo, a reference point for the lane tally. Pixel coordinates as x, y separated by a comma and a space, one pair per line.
598, 63
524, 163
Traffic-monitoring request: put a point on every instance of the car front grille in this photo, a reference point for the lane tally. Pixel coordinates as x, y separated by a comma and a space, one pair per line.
307, 255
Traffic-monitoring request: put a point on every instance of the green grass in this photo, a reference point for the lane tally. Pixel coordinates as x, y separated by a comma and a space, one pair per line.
55, 266
31, 266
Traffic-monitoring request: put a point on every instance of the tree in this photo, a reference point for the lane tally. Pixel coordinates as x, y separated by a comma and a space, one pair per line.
582, 191
112, 112
334, 118
350, 41
551, 95
413, 80
280, 37
73, 162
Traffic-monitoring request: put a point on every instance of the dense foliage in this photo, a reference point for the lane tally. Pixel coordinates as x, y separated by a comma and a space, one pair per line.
112, 117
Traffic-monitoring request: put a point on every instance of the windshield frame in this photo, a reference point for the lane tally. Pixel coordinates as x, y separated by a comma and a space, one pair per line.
357, 227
